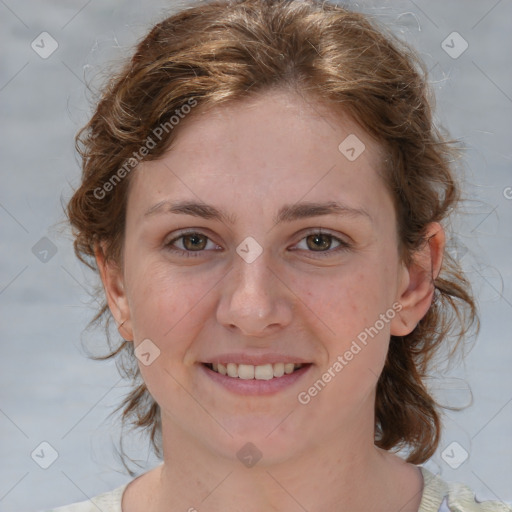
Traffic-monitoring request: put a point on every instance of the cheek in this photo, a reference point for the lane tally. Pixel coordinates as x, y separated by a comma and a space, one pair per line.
166, 308
346, 301
357, 339
165, 304
344, 308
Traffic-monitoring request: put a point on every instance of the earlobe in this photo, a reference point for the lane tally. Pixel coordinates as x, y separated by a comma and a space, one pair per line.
417, 288
113, 284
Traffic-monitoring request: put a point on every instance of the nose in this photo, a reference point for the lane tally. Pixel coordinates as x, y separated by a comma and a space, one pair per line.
255, 300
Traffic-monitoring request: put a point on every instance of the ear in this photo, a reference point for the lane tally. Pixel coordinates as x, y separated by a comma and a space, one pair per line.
416, 289
113, 284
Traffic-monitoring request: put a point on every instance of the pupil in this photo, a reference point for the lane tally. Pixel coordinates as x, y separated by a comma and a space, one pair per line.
195, 238
316, 238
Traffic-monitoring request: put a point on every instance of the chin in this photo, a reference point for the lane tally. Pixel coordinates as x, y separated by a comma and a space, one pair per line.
261, 441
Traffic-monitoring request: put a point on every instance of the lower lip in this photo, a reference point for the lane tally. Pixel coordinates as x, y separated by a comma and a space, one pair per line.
256, 386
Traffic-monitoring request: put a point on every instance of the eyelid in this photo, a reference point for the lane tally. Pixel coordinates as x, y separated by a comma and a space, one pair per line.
321, 231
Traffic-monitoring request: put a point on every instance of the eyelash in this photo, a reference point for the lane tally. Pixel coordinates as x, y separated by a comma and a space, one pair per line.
344, 246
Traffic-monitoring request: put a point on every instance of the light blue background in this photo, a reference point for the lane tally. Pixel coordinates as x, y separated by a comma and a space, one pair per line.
51, 392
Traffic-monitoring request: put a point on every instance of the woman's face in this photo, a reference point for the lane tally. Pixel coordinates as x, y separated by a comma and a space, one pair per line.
239, 273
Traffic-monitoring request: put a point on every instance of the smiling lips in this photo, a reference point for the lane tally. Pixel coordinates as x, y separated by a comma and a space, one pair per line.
258, 372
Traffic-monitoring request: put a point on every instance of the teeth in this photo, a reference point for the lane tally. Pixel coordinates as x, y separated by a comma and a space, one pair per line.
245, 371
232, 369
288, 367
278, 369
260, 372
264, 372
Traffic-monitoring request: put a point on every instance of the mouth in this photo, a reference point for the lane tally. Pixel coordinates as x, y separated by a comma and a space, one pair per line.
268, 371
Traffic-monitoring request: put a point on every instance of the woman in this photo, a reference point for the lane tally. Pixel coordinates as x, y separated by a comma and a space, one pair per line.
263, 195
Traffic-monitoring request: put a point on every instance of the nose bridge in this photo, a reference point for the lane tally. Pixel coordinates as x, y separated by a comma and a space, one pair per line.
253, 286
253, 300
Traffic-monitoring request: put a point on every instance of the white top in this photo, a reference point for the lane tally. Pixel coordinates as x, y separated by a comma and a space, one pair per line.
438, 496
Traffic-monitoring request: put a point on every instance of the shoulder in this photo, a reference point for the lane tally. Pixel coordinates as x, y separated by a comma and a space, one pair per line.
441, 496
107, 502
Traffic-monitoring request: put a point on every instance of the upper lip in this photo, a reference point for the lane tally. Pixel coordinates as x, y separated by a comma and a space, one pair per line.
255, 360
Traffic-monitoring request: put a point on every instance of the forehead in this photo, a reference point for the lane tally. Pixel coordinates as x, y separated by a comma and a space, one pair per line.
284, 121
270, 146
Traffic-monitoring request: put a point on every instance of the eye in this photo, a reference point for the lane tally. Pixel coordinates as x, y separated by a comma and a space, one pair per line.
321, 242
193, 243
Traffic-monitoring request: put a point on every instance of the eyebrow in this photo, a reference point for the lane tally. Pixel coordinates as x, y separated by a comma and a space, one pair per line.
287, 213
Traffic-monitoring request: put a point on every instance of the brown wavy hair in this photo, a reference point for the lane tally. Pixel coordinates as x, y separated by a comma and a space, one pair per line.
221, 51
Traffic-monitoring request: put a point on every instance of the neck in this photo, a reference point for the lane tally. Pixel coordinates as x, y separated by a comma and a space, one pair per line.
343, 472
